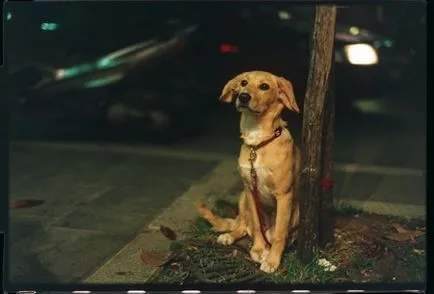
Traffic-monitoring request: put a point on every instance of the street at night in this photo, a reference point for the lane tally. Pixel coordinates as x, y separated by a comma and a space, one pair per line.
89, 189
99, 196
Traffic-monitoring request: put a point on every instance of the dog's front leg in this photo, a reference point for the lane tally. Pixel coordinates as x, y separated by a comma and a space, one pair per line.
283, 215
259, 250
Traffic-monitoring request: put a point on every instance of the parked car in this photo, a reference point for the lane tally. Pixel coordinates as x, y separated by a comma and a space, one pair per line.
155, 67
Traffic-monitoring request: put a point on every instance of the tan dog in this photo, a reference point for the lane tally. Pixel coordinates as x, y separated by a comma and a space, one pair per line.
269, 164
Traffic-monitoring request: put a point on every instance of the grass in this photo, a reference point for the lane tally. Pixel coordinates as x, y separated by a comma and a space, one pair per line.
401, 261
293, 271
201, 227
359, 262
342, 208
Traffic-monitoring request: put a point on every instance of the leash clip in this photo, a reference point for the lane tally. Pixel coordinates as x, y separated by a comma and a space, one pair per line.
253, 173
253, 155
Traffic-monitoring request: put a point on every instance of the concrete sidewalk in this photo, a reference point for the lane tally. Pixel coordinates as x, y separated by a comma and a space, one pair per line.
95, 202
96, 205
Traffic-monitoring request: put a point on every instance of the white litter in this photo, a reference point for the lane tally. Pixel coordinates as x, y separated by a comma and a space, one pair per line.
328, 267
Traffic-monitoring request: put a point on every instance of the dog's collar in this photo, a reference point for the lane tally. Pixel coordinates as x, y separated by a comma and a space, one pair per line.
277, 133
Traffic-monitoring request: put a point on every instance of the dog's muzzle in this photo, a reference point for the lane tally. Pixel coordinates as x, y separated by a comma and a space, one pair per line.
244, 99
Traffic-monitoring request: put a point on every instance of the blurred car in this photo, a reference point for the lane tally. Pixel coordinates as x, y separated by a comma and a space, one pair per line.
95, 71
159, 68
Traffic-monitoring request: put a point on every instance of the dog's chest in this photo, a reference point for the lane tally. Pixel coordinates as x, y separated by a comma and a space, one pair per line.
264, 177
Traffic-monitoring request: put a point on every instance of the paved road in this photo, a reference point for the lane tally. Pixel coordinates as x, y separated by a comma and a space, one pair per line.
98, 197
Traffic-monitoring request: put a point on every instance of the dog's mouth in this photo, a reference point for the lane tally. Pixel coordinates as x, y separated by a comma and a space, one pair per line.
243, 107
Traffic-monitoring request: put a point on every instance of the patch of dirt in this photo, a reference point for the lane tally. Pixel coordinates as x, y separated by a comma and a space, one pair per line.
367, 248
374, 248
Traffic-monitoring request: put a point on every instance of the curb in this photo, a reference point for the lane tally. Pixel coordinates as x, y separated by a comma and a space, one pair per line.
207, 156
126, 266
389, 209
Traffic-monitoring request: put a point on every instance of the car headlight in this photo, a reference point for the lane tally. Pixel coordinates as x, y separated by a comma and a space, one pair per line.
361, 54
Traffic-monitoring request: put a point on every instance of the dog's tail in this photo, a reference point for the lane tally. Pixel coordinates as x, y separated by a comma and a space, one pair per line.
219, 224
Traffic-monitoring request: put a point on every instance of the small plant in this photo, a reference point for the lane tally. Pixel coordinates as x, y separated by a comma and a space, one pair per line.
343, 208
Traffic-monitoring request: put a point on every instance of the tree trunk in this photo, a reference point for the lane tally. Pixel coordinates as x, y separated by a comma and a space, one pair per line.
317, 85
326, 224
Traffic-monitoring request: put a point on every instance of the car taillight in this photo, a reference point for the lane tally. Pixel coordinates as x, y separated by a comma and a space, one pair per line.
228, 48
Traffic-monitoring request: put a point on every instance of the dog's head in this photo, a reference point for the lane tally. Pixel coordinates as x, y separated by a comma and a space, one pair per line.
258, 91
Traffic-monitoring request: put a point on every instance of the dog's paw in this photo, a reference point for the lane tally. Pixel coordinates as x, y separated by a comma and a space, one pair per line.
264, 254
225, 239
256, 254
269, 266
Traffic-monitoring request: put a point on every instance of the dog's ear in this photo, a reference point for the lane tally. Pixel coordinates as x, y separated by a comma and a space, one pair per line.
286, 94
229, 92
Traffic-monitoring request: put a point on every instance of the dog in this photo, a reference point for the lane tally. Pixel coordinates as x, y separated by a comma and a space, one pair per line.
269, 165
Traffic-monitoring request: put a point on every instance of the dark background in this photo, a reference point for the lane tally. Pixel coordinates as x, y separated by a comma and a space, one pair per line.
182, 84
68, 113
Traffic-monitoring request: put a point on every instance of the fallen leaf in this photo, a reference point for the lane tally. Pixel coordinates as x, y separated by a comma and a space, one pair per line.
25, 203
400, 229
402, 237
168, 233
154, 259
355, 226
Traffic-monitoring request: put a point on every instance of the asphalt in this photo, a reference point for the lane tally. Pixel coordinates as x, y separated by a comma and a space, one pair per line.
103, 202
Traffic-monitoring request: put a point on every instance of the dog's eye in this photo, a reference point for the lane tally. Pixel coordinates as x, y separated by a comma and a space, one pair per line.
264, 86
244, 83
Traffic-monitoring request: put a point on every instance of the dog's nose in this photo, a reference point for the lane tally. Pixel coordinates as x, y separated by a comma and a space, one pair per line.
244, 98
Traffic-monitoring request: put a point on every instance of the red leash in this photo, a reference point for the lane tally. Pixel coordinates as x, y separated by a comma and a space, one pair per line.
254, 175
257, 204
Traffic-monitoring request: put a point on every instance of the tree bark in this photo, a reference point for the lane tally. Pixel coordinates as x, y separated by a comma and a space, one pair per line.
317, 85
326, 224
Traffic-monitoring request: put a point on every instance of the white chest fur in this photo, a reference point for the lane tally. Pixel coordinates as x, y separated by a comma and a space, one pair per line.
263, 176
